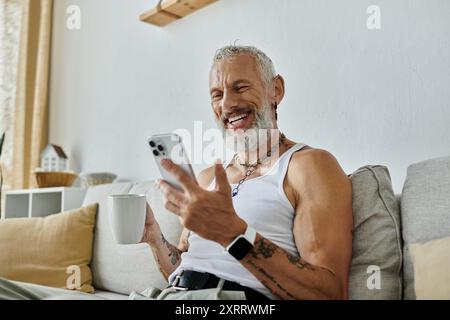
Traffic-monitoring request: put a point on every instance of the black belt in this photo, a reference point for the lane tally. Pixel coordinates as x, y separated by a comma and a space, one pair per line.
193, 280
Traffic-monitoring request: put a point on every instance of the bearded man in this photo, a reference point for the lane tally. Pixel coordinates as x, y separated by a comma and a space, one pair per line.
273, 224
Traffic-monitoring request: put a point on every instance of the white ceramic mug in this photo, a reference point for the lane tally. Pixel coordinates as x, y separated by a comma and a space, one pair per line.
127, 217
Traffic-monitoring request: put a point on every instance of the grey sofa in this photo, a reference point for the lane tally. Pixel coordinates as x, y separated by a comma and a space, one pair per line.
384, 226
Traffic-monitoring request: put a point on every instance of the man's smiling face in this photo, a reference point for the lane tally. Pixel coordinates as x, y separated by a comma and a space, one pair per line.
239, 94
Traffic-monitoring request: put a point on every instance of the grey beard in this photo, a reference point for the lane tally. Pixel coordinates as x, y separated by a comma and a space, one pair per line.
244, 141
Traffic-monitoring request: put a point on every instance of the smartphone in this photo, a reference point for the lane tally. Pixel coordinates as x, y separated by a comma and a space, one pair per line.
170, 146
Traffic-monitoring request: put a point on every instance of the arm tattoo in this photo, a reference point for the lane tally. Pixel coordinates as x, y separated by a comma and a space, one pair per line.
272, 279
159, 254
174, 257
266, 249
174, 253
299, 262
261, 248
158, 261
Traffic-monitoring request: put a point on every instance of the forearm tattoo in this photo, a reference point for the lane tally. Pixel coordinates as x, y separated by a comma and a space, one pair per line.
174, 253
264, 249
299, 262
160, 256
271, 279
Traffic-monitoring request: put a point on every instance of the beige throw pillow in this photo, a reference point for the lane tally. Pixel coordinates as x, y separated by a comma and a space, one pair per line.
431, 261
54, 251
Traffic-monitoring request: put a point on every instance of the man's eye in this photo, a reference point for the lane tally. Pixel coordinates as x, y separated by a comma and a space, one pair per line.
241, 89
216, 95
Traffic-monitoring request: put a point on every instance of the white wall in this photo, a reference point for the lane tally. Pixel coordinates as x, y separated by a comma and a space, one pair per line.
369, 97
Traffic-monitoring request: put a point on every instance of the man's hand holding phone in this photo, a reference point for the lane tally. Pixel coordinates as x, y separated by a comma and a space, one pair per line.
210, 214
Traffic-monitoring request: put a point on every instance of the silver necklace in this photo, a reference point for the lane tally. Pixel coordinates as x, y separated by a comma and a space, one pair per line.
252, 167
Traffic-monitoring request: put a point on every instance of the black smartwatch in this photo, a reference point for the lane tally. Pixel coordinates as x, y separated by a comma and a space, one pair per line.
243, 244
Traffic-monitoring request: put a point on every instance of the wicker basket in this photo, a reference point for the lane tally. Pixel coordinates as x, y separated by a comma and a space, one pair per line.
55, 179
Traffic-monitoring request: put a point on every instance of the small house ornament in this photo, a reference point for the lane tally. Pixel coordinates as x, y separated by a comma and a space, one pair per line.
53, 158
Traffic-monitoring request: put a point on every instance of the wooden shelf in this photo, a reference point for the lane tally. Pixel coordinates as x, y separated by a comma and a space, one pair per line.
172, 10
33, 203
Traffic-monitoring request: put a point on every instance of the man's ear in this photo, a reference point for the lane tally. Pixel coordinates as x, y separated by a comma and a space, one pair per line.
278, 90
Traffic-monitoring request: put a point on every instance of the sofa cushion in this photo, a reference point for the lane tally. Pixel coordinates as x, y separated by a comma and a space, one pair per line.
103, 257
377, 253
54, 251
108, 295
126, 268
431, 272
425, 210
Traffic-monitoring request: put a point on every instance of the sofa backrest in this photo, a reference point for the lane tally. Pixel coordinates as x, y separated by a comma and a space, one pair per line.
425, 210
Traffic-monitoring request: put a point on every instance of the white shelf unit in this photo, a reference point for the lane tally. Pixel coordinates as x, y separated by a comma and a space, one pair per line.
35, 203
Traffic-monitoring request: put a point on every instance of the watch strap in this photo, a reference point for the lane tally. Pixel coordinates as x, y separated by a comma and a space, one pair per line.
249, 235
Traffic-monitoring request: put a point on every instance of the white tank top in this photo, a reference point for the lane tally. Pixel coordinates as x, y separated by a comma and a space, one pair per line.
262, 204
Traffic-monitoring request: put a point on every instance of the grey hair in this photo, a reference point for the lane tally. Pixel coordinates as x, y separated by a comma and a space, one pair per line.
264, 63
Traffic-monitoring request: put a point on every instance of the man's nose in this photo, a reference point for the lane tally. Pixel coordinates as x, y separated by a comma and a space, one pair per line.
229, 101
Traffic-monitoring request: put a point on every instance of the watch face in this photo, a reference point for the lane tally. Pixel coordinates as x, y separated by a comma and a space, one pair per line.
240, 248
